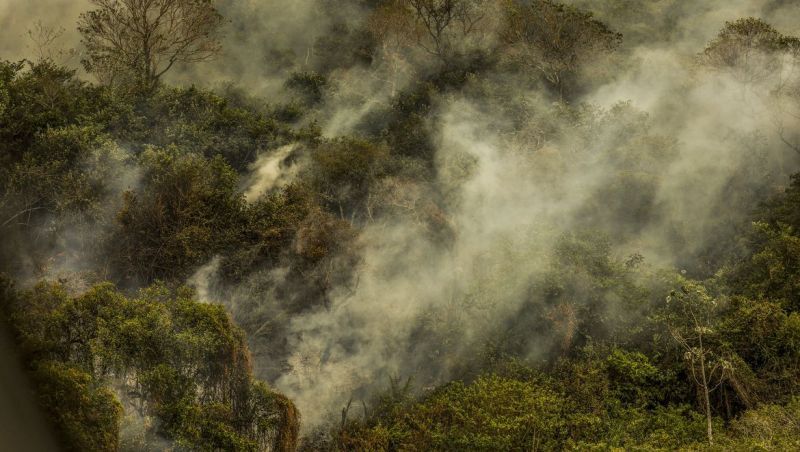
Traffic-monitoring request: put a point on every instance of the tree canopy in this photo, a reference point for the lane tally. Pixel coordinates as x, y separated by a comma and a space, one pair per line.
143, 39
407, 225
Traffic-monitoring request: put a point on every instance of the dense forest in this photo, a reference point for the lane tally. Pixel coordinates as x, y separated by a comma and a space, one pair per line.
403, 224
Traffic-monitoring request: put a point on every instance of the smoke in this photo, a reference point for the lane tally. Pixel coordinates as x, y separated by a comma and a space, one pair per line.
700, 137
138, 430
201, 280
665, 158
408, 279
26, 29
264, 41
269, 171
685, 26
65, 245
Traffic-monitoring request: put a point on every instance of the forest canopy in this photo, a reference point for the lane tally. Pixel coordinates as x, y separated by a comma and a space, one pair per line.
403, 224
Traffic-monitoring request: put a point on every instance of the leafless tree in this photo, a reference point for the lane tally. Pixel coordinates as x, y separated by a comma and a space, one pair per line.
443, 27
45, 42
141, 40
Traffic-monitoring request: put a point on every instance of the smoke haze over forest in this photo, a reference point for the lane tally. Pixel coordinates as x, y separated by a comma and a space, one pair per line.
389, 223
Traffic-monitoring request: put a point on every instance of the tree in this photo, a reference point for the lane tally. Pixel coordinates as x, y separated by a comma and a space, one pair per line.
205, 123
442, 28
491, 413
555, 40
769, 427
344, 171
691, 320
45, 41
751, 50
445, 22
771, 268
386, 25
761, 58
55, 162
84, 413
143, 39
186, 210
168, 357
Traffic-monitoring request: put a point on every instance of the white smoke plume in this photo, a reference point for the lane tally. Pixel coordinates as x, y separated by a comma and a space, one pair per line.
269, 171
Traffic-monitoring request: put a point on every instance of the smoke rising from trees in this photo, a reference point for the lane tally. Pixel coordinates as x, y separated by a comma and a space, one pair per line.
388, 190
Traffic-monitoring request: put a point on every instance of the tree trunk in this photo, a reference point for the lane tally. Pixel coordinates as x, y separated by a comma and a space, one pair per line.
709, 430
706, 397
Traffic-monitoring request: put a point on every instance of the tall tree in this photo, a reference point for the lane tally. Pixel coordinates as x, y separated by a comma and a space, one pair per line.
766, 62
444, 29
751, 50
555, 40
140, 40
692, 317
444, 22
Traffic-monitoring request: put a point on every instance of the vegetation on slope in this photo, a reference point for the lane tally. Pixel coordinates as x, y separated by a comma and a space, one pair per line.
651, 300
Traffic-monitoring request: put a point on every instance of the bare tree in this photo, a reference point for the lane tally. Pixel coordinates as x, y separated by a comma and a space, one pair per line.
444, 27
45, 43
440, 18
140, 40
389, 25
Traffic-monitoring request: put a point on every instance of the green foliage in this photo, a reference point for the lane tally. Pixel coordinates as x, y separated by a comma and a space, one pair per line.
202, 122
579, 295
635, 380
85, 413
664, 428
492, 413
309, 85
271, 226
167, 355
782, 209
772, 269
343, 47
763, 324
187, 209
56, 161
43, 97
344, 171
140, 184
750, 49
770, 427
508, 413
407, 132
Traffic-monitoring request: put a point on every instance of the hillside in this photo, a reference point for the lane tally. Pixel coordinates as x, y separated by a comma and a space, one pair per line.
403, 224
